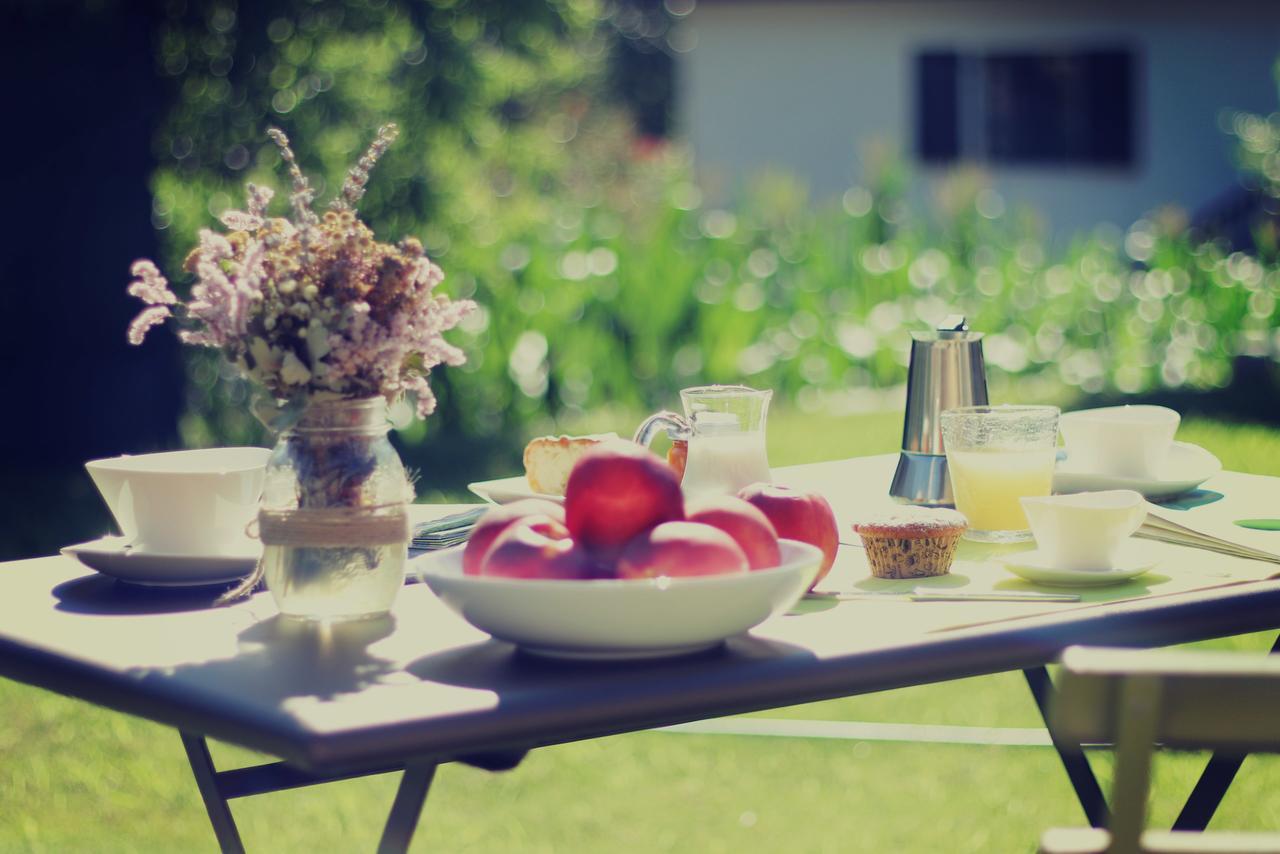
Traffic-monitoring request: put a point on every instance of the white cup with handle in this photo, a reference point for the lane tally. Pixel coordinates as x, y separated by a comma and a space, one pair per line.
1124, 441
185, 503
1084, 531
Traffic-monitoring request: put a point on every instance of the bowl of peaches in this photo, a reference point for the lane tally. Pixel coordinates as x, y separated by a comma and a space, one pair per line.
625, 568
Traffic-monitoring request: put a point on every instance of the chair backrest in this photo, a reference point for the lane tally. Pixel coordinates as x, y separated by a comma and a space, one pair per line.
1206, 699
1136, 699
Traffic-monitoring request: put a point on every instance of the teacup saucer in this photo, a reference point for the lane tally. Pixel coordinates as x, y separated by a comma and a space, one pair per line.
1034, 566
113, 556
1188, 466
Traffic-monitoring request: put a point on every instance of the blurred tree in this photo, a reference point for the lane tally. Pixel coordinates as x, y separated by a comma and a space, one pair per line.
484, 93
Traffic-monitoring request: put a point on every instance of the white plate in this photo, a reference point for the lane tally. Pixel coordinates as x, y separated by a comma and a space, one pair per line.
620, 619
1132, 561
112, 556
507, 489
1188, 466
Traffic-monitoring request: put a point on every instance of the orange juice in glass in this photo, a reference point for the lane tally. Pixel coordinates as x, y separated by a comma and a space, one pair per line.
995, 456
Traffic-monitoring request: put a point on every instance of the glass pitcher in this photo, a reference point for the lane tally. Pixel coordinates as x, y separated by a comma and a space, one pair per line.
723, 426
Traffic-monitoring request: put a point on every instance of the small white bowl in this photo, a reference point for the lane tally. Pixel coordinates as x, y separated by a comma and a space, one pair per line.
620, 619
1084, 532
1129, 441
184, 503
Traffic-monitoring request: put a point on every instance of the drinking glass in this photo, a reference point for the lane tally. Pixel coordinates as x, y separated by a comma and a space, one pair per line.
997, 455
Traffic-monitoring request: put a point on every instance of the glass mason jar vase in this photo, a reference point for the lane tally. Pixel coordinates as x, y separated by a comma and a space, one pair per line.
334, 520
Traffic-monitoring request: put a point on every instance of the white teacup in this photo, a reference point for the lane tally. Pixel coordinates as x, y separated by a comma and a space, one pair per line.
184, 503
1127, 441
1084, 531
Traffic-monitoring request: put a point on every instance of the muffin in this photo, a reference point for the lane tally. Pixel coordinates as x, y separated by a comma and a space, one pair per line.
549, 459
911, 542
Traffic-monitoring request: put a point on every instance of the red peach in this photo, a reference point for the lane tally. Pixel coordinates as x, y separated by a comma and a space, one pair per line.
619, 490
681, 549
536, 547
743, 521
804, 516
496, 520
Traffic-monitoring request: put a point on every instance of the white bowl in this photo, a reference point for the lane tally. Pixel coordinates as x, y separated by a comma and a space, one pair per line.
184, 502
1084, 531
610, 619
1129, 441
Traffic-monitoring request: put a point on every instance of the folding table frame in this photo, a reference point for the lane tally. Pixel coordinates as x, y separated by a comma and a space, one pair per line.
218, 788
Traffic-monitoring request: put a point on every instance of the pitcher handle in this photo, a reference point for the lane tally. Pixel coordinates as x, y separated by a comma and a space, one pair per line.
659, 421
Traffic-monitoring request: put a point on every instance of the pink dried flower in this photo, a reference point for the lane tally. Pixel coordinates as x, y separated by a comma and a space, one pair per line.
240, 221
147, 318
353, 187
421, 389
258, 198
303, 195
150, 286
255, 212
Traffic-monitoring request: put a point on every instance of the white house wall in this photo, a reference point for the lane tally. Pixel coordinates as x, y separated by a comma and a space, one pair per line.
804, 87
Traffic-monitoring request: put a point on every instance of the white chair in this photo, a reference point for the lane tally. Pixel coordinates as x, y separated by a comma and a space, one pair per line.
1140, 699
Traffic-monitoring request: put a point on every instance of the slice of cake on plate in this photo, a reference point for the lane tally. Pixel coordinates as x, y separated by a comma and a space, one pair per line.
549, 459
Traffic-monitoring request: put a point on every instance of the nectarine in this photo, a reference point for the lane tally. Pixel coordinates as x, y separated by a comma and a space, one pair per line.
536, 547
617, 491
681, 549
496, 520
804, 516
742, 520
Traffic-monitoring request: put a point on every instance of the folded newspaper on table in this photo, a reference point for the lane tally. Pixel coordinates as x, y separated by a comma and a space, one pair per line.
1213, 527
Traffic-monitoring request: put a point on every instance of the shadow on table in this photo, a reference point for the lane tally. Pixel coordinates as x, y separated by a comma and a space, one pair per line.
1191, 500
497, 665
948, 581
280, 658
1142, 585
102, 595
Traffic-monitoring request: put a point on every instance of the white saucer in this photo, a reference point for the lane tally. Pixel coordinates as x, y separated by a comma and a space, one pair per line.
1032, 566
507, 489
113, 556
1188, 466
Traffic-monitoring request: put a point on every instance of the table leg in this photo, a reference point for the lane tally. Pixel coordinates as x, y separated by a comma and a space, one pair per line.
216, 787
1073, 759
1212, 786
406, 809
224, 826
219, 787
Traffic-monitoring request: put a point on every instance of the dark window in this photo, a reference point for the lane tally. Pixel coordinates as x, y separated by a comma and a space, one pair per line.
1066, 107
938, 127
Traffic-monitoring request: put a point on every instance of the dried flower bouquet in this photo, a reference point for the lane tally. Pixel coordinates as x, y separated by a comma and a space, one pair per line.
312, 306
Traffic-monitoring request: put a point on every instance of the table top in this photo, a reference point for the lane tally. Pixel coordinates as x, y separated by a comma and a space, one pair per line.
424, 684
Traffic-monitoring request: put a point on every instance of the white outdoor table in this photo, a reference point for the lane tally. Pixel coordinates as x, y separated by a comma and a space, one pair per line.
423, 687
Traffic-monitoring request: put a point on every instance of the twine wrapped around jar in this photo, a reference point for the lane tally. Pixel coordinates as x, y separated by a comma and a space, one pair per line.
324, 527
383, 525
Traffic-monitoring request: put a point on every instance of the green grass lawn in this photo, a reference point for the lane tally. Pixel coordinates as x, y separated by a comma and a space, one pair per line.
78, 778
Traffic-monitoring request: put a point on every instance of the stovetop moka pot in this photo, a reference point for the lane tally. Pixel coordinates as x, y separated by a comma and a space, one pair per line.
947, 371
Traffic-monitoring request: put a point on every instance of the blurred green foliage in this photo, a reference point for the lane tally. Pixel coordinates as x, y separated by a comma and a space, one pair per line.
605, 280
1257, 155
485, 94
